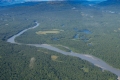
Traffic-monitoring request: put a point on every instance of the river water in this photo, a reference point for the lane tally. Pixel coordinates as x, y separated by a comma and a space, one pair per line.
94, 60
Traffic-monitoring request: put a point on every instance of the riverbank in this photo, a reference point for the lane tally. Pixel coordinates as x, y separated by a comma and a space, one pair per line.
94, 60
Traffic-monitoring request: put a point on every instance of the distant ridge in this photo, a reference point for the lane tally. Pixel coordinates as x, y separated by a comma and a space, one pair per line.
11, 2
109, 2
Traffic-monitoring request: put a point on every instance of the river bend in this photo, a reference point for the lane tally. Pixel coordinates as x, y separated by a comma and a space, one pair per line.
94, 60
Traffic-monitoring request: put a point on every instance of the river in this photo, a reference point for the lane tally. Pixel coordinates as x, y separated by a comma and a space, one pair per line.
94, 60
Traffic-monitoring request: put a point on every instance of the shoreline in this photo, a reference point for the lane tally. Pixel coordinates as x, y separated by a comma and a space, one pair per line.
94, 60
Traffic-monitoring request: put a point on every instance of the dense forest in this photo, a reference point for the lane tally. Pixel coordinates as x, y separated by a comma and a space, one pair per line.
22, 62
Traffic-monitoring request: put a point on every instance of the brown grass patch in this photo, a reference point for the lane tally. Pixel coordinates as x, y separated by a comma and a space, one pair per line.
53, 31
47, 32
32, 61
54, 57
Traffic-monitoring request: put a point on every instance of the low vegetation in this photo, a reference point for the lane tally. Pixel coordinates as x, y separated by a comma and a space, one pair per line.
54, 58
47, 32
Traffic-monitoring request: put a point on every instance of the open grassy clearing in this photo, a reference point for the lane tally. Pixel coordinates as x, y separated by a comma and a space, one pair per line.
85, 69
47, 32
54, 57
54, 31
